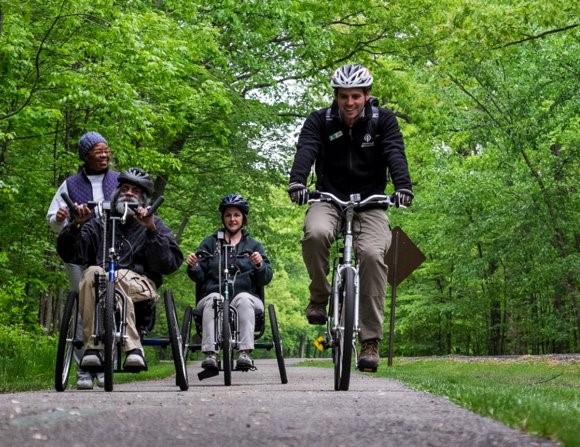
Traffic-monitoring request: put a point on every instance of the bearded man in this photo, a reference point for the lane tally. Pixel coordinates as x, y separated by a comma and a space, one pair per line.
146, 249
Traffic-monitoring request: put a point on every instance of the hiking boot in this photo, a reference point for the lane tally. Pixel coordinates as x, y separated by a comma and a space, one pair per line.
369, 356
92, 358
84, 380
135, 359
244, 361
316, 313
210, 361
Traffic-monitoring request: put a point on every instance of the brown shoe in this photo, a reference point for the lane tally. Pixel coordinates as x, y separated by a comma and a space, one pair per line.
316, 313
369, 356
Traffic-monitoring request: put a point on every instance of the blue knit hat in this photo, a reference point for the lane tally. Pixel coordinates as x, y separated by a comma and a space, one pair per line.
87, 142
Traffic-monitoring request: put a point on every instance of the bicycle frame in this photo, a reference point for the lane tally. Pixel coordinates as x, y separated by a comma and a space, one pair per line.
343, 322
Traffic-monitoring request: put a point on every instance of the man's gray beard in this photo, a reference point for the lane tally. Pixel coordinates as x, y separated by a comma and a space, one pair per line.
120, 206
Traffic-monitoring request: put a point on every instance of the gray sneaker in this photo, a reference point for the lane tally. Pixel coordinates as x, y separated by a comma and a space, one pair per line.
92, 357
244, 361
100, 379
84, 380
210, 361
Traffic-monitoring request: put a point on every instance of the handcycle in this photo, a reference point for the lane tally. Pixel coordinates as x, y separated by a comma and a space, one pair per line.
342, 326
226, 332
110, 320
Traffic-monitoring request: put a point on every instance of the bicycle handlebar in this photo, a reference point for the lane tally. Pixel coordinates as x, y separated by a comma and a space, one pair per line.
355, 201
92, 204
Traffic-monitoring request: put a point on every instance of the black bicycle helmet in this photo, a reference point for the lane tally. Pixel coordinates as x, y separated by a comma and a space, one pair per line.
137, 177
351, 76
234, 200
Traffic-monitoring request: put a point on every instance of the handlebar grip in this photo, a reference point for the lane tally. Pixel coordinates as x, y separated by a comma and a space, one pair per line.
69, 203
155, 205
314, 194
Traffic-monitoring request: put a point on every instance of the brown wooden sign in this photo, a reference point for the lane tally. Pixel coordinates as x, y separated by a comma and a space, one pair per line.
403, 257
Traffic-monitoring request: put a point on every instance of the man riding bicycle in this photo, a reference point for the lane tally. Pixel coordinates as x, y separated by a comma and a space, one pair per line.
147, 250
353, 144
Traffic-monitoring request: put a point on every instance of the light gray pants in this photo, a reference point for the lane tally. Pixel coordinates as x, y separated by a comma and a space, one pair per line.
245, 305
372, 238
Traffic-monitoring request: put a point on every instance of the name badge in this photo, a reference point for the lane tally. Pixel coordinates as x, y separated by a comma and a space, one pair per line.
336, 135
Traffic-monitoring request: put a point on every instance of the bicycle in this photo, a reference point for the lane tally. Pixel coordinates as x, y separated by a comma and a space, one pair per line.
342, 325
226, 334
111, 312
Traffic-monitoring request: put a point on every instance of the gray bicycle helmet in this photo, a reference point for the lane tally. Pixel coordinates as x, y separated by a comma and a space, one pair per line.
351, 76
235, 200
137, 177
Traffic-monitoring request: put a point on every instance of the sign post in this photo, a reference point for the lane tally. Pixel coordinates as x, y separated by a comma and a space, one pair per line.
399, 269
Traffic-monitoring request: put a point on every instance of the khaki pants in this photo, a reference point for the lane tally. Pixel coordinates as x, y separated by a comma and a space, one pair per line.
372, 238
135, 287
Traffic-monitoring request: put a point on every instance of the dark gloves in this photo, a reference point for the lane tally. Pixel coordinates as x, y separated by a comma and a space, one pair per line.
298, 193
403, 198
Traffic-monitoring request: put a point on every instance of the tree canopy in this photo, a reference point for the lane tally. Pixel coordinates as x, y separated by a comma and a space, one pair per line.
209, 96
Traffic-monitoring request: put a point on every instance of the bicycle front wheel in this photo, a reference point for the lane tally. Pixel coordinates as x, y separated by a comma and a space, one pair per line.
344, 334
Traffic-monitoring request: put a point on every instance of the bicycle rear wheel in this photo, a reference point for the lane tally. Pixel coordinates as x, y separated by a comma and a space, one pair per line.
277, 343
185, 331
66, 341
109, 339
226, 344
176, 343
344, 334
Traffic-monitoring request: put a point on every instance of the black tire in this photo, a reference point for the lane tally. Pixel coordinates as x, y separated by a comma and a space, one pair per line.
343, 353
186, 331
226, 344
176, 342
110, 329
66, 339
277, 343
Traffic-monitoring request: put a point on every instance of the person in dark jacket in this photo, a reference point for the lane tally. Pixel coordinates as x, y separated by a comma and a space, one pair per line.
250, 269
95, 181
147, 250
353, 144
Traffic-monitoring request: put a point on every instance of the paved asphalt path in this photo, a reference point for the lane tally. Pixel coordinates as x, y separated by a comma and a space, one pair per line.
256, 410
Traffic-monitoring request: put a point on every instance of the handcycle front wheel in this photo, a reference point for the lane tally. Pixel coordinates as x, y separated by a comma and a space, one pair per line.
176, 342
66, 342
185, 331
110, 328
344, 335
226, 344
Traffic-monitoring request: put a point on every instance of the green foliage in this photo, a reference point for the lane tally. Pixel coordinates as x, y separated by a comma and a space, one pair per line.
208, 96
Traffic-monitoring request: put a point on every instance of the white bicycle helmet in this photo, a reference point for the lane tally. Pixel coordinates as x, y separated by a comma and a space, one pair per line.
351, 76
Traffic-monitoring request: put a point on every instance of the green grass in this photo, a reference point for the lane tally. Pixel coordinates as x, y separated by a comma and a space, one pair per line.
27, 363
541, 397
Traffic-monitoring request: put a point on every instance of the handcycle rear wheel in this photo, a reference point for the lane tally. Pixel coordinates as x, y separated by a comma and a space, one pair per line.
185, 331
344, 336
226, 344
176, 342
110, 329
66, 339
277, 343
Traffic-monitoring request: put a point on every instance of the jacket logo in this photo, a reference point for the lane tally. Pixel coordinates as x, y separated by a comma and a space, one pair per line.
367, 138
